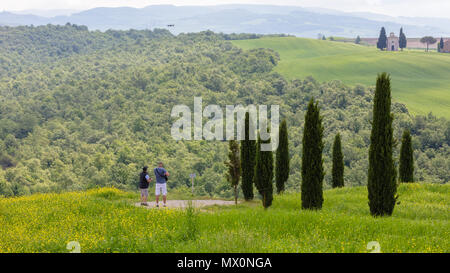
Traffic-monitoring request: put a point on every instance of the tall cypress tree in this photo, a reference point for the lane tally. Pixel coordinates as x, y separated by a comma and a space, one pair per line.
441, 45
406, 168
312, 162
382, 40
402, 39
338, 163
381, 184
282, 158
234, 167
248, 153
264, 173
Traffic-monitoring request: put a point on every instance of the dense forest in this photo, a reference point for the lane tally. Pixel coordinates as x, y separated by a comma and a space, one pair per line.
81, 109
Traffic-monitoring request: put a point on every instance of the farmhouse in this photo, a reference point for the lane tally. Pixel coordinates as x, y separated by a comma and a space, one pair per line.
446, 48
392, 42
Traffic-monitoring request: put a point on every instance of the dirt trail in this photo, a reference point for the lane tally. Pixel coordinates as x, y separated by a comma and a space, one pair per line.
184, 203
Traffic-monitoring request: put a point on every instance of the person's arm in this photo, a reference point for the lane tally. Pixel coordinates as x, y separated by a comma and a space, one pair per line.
148, 178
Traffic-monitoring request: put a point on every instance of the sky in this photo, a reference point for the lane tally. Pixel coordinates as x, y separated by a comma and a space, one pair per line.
422, 8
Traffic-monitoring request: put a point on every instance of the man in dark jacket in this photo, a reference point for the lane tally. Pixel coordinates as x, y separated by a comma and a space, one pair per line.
144, 182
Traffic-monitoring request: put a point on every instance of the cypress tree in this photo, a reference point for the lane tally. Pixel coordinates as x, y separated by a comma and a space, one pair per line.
358, 40
338, 163
248, 153
234, 167
406, 168
282, 158
441, 45
382, 40
264, 173
402, 39
312, 162
381, 184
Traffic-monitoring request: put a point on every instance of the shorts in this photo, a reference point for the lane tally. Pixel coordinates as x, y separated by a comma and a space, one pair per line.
160, 188
144, 192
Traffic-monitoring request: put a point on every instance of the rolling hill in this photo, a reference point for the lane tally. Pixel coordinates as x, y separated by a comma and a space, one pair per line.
82, 109
261, 19
420, 80
105, 220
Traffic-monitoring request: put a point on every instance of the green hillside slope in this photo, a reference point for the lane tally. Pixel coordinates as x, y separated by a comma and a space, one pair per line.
420, 80
105, 220
83, 109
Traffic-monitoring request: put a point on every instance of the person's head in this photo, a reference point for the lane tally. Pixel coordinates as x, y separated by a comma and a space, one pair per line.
144, 169
160, 164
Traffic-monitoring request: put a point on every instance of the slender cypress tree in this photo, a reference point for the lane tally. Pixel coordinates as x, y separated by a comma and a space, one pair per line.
440, 45
382, 40
382, 174
402, 39
358, 40
406, 168
264, 173
338, 163
234, 167
248, 153
312, 162
282, 158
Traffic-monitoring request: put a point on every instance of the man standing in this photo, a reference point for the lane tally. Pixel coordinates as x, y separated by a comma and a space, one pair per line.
161, 183
144, 182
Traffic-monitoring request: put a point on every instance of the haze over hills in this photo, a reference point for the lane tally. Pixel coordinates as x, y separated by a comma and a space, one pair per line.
47, 13
262, 19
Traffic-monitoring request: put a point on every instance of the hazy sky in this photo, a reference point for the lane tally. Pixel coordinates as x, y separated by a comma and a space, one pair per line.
424, 8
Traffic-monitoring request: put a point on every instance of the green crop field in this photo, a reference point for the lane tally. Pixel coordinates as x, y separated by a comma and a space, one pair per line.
105, 220
420, 80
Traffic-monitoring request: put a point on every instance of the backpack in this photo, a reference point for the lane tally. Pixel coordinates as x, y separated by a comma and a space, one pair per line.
143, 183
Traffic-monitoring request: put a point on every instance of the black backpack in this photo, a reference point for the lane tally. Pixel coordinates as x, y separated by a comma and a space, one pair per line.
143, 183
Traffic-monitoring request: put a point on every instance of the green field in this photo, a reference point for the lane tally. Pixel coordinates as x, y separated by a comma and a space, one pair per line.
105, 220
420, 80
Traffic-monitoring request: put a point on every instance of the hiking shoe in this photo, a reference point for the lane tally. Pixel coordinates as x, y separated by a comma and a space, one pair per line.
157, 205
144, 204
164, 205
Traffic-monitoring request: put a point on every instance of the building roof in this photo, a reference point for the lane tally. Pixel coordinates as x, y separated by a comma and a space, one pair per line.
392, 35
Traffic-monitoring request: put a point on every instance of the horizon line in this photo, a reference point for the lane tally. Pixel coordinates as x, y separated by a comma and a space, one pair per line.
210, 5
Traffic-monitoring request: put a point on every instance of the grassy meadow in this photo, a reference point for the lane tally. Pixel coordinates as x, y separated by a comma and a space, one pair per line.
105, 220
421, 80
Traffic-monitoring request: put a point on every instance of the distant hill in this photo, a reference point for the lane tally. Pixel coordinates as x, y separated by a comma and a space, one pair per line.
47, 13
420, 80
262, 19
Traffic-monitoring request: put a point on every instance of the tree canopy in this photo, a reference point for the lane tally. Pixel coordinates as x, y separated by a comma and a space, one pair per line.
429, 40
82, 109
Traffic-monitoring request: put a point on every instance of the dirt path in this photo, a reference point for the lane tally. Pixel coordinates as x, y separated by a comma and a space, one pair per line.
184, 203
